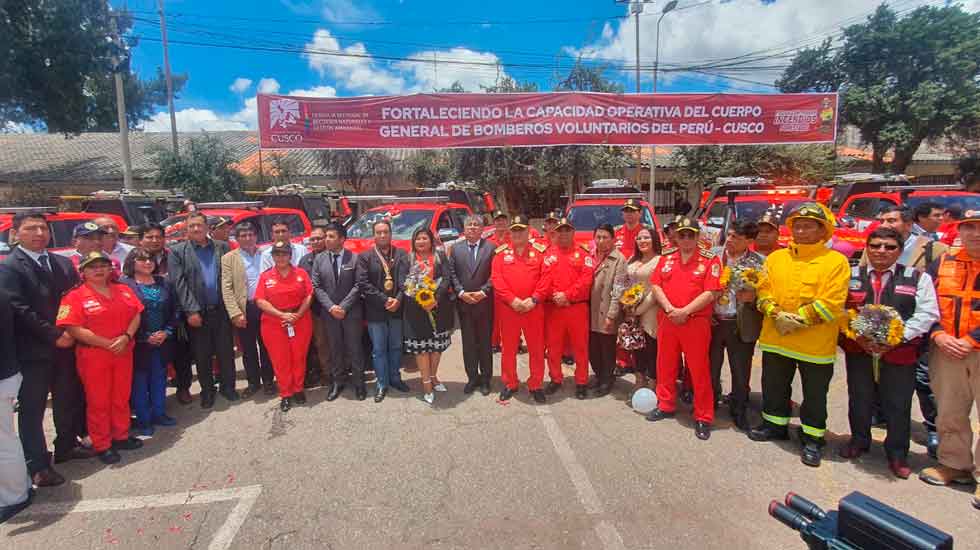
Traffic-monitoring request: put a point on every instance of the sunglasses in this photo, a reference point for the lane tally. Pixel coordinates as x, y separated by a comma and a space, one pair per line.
879, 246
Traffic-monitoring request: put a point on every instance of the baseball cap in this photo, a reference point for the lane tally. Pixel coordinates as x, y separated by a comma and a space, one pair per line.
687, 224
969, 216
497, 214
94, 256
281, 247
86, 229
552, 216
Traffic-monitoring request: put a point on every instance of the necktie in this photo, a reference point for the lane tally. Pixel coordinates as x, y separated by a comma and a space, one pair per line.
473, 249
43, 260
876, 283
336, 265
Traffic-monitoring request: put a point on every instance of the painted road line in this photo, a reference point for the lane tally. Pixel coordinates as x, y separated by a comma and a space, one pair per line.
604, 529
246, 497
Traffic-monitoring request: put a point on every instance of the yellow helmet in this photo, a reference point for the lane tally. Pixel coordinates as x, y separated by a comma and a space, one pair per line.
814, 211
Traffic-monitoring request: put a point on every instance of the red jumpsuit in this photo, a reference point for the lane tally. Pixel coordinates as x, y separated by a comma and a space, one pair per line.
287, 353
683, 282
626, 240
520, 276
571, 272
106, 378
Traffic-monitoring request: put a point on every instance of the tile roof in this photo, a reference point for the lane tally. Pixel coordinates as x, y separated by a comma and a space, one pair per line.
95, 157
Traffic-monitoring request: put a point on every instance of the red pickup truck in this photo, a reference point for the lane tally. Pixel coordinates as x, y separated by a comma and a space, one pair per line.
62, 225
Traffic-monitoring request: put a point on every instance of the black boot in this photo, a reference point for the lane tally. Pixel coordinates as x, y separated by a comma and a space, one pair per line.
769, 432
811, 453
334, 392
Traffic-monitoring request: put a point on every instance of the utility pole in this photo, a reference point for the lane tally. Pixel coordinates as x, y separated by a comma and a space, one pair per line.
121, 108
166, 72
637, 9
656, 65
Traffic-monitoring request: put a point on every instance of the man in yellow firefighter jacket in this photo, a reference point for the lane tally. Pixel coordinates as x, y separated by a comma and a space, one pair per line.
802, 296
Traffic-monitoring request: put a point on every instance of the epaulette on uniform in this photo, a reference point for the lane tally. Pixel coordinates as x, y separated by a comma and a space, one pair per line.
500, 248
539, 247
585, 247
706, 253
666, 251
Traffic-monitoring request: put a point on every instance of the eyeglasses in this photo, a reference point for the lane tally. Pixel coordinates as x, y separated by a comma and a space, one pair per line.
879, 246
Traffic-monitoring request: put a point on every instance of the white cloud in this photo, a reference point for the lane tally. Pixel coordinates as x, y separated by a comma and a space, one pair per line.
316, 91
722, 30
268, 86
240, 85
435, 73
348, 11
193, 120
354, 70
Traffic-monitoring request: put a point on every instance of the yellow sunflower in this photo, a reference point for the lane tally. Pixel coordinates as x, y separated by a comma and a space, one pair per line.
848, 331
896, 331
726, 277
425, 298
633, 295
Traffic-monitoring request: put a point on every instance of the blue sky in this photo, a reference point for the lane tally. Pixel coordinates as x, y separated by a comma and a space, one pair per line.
283, 45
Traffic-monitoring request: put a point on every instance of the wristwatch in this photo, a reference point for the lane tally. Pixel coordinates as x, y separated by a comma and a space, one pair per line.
534, 300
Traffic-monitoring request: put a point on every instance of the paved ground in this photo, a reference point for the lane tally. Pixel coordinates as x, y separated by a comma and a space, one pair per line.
469, 473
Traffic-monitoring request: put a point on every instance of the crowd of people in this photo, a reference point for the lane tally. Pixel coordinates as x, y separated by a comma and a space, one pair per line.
101, 328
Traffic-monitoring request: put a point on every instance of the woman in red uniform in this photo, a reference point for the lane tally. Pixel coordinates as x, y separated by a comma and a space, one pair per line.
284, 294
103, 316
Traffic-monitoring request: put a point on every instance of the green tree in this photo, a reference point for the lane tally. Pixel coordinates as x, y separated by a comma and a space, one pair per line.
902, 80
56, 67
203, 170
429, 166
354, 168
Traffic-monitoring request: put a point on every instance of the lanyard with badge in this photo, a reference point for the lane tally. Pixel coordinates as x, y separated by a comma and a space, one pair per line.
389, 281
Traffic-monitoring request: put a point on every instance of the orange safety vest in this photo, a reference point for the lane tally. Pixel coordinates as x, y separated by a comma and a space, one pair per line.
959, 297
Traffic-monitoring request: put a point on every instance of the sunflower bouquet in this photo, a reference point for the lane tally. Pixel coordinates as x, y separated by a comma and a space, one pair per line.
630, 335
737, 279
422, 288
633, 295
880, 324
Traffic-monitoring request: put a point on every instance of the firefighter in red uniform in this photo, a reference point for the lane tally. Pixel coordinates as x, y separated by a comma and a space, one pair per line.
284, 294
103, 316
520, 285
626, 234
499, 237
685, 285
567, 309
550, 227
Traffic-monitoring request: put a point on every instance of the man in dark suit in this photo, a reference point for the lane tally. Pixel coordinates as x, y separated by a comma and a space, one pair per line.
471, 260
381, 272
335, 285
317, 360
195, 272
35, 281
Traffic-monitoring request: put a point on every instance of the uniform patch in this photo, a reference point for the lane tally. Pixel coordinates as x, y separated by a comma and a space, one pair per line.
63, 312
715, 270
530, 254
270, 282
588, 261
509, 259
907, 290
854, 285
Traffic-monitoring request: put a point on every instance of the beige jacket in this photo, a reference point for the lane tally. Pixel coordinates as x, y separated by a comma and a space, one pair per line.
647, 310
234, 288
604, 305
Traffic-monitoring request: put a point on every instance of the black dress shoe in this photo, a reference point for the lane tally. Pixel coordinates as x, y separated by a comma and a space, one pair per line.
811, 454
603, 390
485, 388
47, 477
687, 396
129, 444
379, 396
507, 393
334, 392
702, 430
269, 389
76, 453
300, 398
469, 387
656, 415
360, 393
109, 456
400, 386
742, 421
581, 392
552, 388
250, 391
230, 395
538, 396
769, 432
207, 400
566, 360
285, 404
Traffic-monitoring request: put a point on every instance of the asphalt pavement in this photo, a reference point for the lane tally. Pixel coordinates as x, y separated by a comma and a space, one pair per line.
470, 472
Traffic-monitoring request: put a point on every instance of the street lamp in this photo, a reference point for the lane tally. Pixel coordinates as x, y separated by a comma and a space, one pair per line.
668, 7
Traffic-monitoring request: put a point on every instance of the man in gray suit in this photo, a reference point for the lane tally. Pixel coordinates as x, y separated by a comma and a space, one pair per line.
472, 259
195, 272
335, 285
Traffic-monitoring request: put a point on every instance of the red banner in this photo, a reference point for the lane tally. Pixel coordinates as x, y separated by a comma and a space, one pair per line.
541, 119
